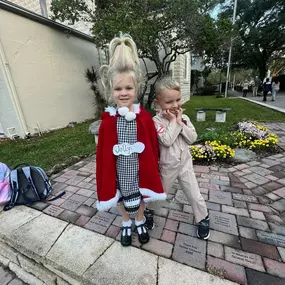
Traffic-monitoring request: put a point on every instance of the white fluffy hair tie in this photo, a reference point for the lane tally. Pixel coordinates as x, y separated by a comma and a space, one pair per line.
125, 112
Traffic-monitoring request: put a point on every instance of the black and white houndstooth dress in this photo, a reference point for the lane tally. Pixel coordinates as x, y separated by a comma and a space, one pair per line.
128, 166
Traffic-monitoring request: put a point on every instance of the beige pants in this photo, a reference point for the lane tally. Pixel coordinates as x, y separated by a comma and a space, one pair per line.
184, 172
254, 91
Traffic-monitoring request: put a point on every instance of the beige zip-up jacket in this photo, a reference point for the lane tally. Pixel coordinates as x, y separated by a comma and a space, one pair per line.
176, 161
174, 139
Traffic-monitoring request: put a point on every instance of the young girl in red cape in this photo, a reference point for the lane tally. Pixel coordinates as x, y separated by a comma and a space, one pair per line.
127, 150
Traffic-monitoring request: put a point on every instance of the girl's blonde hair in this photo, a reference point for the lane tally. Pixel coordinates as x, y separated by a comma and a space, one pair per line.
123, 60
166, 83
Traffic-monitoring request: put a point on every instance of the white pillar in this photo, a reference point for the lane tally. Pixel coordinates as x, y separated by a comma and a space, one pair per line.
221, 116
201, 116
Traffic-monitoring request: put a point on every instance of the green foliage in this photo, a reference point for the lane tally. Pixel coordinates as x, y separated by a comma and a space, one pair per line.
277, 62
219, 146
50, 149
207, 90
173, 27
260, 26
195, 74
211, 151
162, 29
215, 40
100, 101
241, 111
210, 135
216, 76
71, 10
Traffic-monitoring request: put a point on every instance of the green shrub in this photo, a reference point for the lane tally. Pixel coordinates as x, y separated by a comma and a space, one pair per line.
210, 135
207, 90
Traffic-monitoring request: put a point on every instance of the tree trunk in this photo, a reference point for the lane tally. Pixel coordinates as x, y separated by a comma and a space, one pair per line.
142, 94
262, 64
150, 96
262, 69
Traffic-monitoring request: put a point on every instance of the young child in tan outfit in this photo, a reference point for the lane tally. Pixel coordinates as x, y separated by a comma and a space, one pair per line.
175, 133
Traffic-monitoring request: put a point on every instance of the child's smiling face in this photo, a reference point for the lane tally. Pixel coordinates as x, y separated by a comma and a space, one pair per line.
124, 92
169, 99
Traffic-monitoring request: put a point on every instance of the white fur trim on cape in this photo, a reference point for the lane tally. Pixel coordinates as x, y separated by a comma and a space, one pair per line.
137, 108
112, 111
106, 205
151, 195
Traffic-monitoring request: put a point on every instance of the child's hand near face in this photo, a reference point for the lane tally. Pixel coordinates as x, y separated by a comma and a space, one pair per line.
168, 115
174, 110
179, 116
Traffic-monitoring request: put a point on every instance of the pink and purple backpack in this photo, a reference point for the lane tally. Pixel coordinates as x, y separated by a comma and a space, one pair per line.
5, 192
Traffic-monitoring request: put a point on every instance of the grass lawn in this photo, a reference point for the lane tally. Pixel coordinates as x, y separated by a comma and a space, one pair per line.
241, 110
52, 148
59, 146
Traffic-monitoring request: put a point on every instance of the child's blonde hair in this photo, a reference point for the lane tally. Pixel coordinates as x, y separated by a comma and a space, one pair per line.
123, 59
166, 83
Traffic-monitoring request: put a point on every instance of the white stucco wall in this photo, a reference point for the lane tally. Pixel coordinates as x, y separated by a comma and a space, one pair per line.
8, 118
47, 68
1, 130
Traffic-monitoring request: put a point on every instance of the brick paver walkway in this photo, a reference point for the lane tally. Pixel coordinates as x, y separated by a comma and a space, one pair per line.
279, 130
8, 278
247, 215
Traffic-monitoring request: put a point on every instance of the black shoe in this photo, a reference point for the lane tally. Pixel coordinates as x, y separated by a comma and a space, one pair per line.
142, 234
149, 223
203, 231
126, 240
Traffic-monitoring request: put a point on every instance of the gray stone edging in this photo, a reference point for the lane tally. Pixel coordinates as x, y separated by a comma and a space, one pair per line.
40, 248
27, 269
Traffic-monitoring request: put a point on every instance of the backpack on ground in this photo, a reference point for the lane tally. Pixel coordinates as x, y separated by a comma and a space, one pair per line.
5, 191
29, 184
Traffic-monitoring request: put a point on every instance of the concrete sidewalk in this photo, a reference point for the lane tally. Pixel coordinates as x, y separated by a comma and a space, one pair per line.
278, 104
41, 249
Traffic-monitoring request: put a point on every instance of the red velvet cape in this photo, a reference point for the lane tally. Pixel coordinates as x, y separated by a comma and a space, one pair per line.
149, 180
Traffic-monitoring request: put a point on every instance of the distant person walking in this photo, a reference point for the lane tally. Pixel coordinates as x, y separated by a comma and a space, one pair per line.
257, 82
266, 89
275, 86
245, 88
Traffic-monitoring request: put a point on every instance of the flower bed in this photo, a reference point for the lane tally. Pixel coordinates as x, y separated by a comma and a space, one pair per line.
211, 151
255, 137
249, 135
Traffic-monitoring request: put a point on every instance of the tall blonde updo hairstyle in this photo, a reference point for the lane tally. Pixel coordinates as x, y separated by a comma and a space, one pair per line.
123, 60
